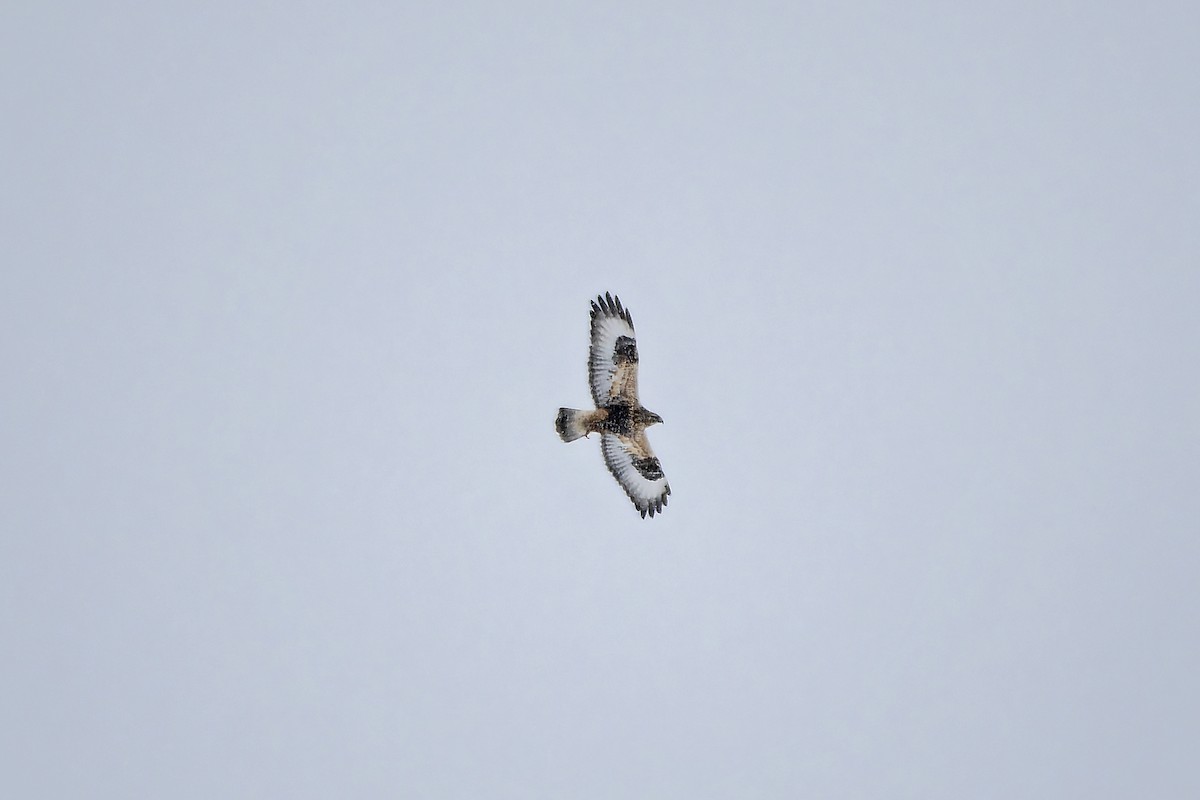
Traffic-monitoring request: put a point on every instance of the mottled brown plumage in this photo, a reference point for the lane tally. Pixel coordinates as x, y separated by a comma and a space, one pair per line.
619, 417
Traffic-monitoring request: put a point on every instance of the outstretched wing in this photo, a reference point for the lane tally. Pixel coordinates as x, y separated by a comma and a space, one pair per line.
613, 359
637, 470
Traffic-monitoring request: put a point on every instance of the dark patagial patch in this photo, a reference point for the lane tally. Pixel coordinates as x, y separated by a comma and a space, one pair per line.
649, 467
625, 350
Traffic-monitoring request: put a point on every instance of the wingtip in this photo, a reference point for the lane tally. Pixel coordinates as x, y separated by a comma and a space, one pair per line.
608, 303
623, 312
652, 507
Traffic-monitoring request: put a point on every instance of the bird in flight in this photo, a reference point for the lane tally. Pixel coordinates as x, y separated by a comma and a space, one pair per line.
618, 417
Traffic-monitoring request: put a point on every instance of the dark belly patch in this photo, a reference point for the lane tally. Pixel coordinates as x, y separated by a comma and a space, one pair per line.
618, 420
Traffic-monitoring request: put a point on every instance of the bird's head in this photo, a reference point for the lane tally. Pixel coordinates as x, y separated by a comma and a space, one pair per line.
650, 417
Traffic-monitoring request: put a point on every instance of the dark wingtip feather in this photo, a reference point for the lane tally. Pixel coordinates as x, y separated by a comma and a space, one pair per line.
608, 303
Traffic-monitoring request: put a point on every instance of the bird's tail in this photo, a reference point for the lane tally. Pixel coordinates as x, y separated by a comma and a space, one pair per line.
571, 423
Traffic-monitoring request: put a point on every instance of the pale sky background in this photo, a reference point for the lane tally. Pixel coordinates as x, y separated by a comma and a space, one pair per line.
292, 292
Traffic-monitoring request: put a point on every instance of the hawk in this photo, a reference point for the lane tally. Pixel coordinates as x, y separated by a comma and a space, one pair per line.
619, 417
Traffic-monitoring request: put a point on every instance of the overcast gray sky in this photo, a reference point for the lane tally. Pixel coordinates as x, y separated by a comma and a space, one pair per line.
292, 292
